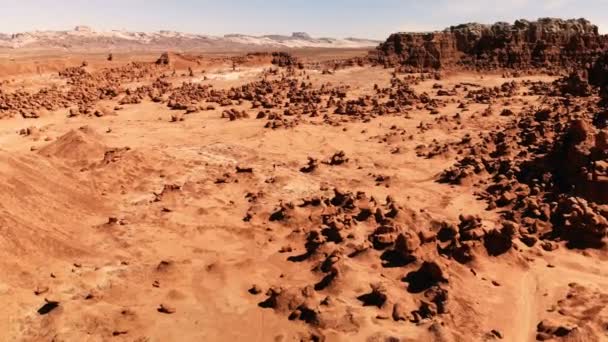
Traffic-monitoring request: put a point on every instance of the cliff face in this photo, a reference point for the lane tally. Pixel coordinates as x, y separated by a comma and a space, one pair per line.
431, 50
598, 76
542, 43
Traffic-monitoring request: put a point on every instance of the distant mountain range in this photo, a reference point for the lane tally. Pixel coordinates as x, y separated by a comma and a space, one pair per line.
85, 38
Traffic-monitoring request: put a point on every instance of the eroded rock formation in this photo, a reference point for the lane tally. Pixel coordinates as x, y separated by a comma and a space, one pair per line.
544, 43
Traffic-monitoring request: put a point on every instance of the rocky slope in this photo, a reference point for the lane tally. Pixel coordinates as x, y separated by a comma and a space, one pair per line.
545, 42
85, 38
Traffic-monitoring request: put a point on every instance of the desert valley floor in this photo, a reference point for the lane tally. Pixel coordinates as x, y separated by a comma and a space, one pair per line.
223, 198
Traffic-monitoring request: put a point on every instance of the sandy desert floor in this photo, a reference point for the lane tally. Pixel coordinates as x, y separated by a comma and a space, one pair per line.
148, 224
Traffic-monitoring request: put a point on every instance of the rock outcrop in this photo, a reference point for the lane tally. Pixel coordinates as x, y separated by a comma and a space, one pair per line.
598, 75
544, 43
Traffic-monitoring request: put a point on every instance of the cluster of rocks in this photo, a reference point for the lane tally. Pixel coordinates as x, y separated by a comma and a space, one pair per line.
31, 105
286, 60
188, 96
549, 168
154, 92
347, 231
82, 92
85, 89
575, 84
328, 67
397, 99
282, 99
487, 95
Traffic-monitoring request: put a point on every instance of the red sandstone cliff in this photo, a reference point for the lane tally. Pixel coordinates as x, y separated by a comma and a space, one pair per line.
543, 43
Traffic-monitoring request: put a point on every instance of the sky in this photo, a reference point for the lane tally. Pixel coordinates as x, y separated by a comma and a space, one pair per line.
374, 19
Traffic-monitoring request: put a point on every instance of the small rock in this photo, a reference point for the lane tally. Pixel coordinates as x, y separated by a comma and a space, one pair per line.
41, 290
254, 290
166, 309
49, 306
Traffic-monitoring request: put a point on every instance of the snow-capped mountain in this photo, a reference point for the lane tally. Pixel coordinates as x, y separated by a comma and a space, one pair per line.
85, 38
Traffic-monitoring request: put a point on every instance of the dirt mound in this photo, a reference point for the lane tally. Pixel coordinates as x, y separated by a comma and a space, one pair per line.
547, 42
121, 169
34, 217
80, 145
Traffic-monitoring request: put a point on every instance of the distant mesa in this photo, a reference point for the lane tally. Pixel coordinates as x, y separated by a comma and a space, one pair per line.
301, 35
83, 28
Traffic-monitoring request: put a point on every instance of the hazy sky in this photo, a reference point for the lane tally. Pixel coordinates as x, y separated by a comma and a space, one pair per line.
336, 18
